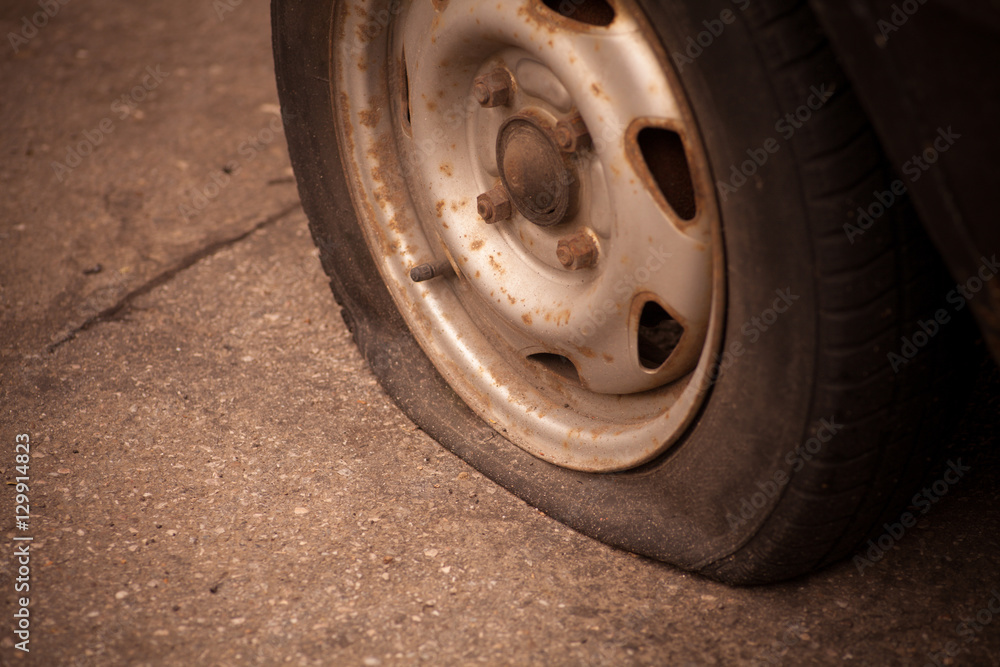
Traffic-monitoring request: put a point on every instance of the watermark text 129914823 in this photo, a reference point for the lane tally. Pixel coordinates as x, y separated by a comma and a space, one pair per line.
22, 542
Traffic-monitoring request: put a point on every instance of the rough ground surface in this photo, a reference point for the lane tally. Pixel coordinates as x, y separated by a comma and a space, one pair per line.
216, 478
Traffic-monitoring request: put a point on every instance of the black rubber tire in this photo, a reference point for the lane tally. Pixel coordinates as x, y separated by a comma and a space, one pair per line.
825, 359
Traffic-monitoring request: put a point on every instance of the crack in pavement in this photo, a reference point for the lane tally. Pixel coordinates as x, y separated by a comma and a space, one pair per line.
120, 307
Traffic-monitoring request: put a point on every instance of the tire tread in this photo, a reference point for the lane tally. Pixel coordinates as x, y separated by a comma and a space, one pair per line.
869, 297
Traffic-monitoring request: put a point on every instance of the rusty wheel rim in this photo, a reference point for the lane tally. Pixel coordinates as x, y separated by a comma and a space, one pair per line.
581, 317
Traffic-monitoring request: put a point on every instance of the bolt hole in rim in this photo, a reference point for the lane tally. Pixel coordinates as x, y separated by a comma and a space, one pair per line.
582, 323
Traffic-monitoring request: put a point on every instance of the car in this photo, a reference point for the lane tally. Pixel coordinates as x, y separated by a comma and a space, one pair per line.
658, 268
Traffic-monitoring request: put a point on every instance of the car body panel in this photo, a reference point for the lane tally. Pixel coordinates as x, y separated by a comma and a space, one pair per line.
926, 73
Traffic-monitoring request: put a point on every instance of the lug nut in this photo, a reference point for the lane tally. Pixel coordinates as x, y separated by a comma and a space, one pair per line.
424, 272
578, 251
494, 206
571, 133
493, 89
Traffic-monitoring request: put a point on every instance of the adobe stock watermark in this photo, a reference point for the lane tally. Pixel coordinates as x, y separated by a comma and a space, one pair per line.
914, 168
697, 44
224, 7
923, 501
22, 543
770, 487
625, 287
775, 653
753, 329
969, 630
372, 28
911, 345
31, 25
219, 179
786, 127
898, 17
425, 148
122, 107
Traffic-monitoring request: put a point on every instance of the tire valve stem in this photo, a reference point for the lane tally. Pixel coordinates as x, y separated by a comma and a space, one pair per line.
429, 270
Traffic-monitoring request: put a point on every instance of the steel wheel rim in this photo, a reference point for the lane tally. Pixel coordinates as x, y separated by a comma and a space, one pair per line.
418, 148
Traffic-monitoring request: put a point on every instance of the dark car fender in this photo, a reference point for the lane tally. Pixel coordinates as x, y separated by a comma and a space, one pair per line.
925, 70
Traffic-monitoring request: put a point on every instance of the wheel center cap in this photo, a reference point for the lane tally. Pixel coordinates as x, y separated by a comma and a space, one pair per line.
535, 173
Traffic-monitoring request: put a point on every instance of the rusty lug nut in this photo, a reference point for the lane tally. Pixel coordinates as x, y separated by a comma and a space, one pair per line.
578, 251
424, 272
494, 206
572, 134
493, 89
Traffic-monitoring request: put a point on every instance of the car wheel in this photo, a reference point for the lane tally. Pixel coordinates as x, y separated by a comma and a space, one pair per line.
597, 249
